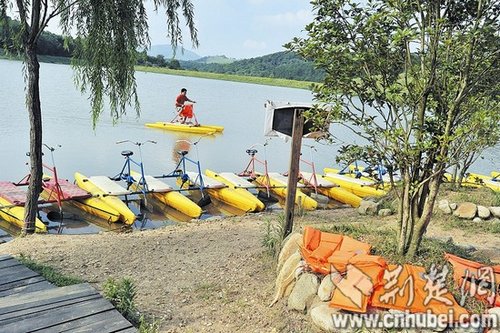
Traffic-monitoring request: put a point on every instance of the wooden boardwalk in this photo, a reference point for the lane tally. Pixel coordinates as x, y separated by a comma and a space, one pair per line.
28, 303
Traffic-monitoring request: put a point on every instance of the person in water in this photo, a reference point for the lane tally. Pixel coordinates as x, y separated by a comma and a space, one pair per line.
183, 110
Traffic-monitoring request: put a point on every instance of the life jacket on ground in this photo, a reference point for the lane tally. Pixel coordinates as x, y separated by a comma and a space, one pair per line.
408, 287
476, 279
320, 250
354, 290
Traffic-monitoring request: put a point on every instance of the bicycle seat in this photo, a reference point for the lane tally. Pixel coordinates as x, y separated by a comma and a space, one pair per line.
127, 153
182, 152
251, 151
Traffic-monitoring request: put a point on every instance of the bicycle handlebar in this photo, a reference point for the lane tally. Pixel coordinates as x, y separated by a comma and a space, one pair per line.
136, 143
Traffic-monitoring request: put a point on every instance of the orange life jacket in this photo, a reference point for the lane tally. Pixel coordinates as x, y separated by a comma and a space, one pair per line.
320, 250
409, 290
354, 290
476, 279
187, 111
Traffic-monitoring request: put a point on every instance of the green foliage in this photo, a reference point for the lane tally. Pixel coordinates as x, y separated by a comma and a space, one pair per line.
122, 295
228, 77
285, 65
49, 273
273, 235
416, 82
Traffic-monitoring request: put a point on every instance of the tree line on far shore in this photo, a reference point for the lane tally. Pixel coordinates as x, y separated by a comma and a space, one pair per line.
284, 65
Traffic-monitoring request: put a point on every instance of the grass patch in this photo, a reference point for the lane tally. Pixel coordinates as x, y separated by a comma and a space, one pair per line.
229, 77
49, 273
122, 294
273, 235
453, 222
483, 196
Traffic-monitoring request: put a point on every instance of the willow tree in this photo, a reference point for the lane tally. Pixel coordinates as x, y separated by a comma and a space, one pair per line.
108, 34
414, 78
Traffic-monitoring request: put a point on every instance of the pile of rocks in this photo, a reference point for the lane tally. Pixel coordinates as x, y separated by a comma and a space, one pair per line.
469, 210
310, 293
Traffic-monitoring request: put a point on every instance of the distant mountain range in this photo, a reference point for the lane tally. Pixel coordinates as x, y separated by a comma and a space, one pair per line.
168, 52
185, 55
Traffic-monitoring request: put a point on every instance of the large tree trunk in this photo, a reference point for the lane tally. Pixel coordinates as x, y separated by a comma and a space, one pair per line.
424, 219
35, 119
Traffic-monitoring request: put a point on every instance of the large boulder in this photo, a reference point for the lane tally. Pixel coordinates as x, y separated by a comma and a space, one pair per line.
466, 210
495, 211
444, 206
385, 212
326, 288
483, 212
368, 207
321, 316
304, 292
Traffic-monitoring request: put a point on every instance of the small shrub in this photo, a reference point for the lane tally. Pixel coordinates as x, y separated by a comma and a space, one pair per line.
122, 294
273, 235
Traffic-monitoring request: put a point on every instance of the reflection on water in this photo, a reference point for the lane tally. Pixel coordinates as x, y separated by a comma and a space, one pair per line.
94, 151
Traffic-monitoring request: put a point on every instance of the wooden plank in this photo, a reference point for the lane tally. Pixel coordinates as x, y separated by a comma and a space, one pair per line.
27, 286
16, 273
5, 257
109, 321
8, 263
24, 312
19, 302
128, 330
46, 319
21, 282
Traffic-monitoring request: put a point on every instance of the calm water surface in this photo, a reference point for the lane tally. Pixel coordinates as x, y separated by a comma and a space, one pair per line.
239, 107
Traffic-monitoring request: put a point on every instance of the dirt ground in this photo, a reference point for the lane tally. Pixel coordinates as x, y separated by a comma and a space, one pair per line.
207, 276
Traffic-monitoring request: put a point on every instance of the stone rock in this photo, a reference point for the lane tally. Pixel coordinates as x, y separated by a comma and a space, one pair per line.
368, 207
316, 302
483, 212
304, 291
321, 316
477, 220
326, 288
290, 246
453, 206
466, 210
385, 212
444, 206
495, 211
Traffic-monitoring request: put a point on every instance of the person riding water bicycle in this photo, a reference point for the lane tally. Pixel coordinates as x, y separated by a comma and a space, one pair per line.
184, 111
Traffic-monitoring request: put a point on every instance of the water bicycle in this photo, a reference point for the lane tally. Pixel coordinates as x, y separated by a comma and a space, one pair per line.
190, 126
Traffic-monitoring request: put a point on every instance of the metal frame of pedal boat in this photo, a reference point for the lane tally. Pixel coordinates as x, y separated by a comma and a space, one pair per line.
125, 173
57, 190
250, 170
180, 171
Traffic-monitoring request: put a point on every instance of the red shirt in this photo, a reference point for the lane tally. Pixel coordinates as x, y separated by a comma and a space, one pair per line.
181, 99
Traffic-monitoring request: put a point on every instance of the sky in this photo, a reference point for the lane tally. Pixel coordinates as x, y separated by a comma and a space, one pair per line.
239, 29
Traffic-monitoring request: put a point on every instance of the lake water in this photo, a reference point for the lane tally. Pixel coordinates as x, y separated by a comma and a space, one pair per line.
239, 107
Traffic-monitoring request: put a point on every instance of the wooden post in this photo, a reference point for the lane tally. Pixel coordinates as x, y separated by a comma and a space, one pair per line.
293, 170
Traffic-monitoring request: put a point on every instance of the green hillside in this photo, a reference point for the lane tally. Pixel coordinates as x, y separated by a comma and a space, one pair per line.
284, 65
281, 65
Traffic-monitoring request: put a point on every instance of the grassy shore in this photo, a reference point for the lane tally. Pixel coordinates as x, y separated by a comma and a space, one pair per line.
229, 77
206, 75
